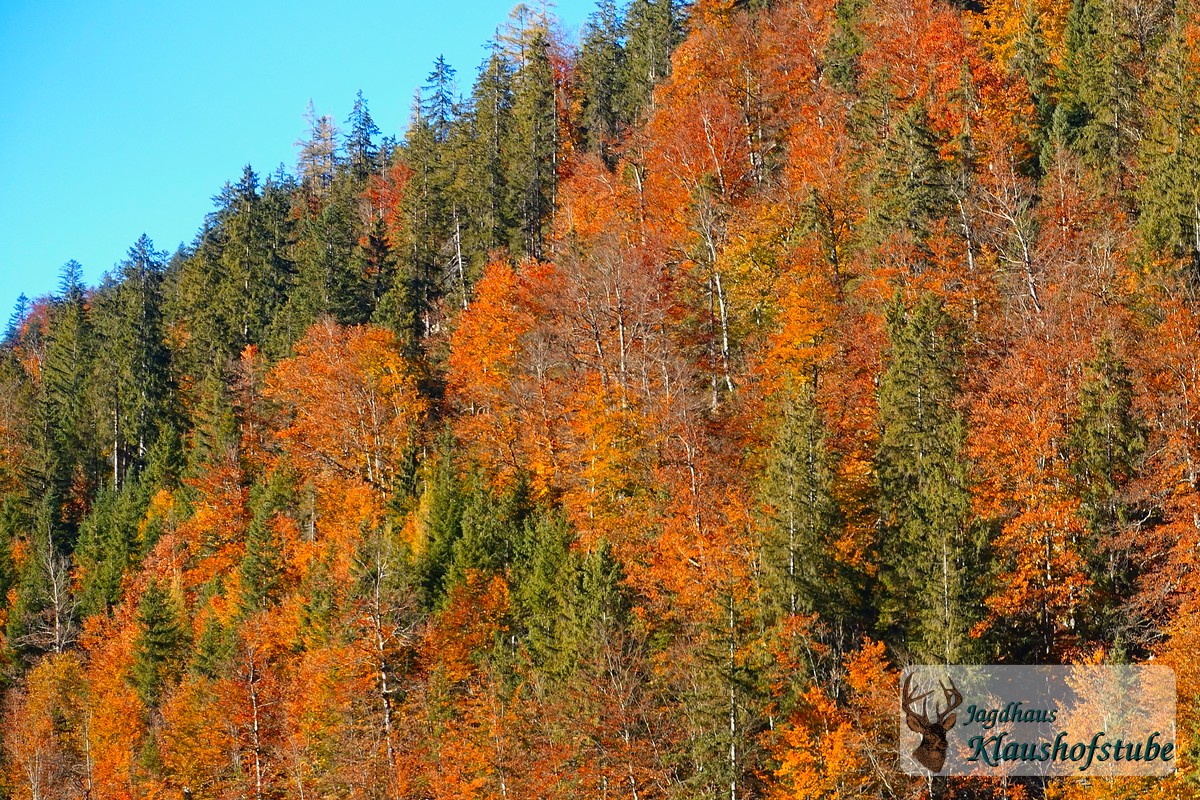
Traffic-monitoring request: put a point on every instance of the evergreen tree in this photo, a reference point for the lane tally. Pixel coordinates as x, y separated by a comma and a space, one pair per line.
63, 405
108, 545
652, 30
160, 644
601, 68
361, 151
1170, 156
1095, 114
802, 518
479, 144
531, 149
428, 199
134, 383
13, 329
42, 617
845, 44
438, 108
1107, 440
444, 503
491, 527
926, 532
909, 185
262, 564
327, 281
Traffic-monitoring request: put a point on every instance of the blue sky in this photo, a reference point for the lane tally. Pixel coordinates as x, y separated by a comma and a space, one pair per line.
126, 117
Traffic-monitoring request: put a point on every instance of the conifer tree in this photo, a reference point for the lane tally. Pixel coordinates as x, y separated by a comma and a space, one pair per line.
652, 29
262, 563
530, 152
1095, 113
479, 142
134, 384
1106, 444
801, 516
845, 44
909, 185
63, 409
362, 153
601, 68
317, 161
16, 320
159, 647
1170, 155
108, 545
926, 531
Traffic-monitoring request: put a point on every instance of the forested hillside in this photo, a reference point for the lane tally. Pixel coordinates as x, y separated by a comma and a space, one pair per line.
626, 426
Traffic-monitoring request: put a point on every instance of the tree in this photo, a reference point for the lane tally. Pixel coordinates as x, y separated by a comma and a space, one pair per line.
601, 68
351, 409
651, 31
801, 516
318, 157
63, 432
926, 530
159, 647
1105, 447
43, 616
1170, 151
361, 151
531, 149
909, 185
134, 364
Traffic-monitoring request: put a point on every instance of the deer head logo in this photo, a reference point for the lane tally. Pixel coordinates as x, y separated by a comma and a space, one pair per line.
931, 753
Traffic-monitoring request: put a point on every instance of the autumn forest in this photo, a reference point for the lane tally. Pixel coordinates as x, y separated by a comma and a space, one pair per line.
622, 428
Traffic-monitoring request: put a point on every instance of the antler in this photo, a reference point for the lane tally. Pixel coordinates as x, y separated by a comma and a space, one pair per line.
954, 699
907, 699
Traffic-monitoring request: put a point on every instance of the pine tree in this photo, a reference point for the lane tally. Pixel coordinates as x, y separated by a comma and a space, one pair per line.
926, 530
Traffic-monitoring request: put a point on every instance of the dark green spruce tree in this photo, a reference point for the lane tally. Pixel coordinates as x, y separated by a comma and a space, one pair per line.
652, 29
928, 548
1105, 447
161, 643
801, 517
530, 151
601, 68
1169, 195
133, 382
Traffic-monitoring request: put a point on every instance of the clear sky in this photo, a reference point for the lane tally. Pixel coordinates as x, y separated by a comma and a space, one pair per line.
127, 117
